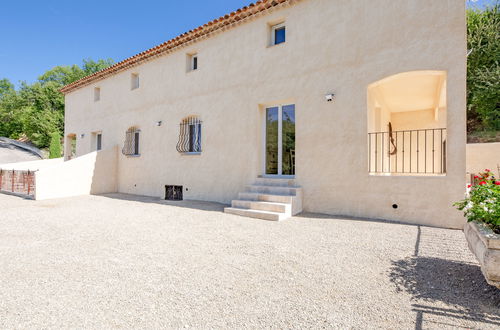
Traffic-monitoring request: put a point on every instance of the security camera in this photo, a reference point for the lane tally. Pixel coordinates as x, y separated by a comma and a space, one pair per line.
329, 97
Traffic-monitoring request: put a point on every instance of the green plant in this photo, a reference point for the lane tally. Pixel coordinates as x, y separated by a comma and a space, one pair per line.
483, 67
55, 145
482, 203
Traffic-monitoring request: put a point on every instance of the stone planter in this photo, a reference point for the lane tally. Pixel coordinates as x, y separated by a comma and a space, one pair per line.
485, 245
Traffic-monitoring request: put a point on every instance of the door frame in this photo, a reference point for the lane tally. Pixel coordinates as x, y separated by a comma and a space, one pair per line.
280, 140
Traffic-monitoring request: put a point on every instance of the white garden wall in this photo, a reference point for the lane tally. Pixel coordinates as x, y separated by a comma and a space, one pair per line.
93, 173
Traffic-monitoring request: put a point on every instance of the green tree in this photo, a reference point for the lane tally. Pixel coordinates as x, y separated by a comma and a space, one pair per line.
35, 111
5, 87
483, 67
55, 148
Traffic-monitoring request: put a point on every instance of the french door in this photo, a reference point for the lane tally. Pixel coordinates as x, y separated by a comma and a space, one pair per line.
280, 140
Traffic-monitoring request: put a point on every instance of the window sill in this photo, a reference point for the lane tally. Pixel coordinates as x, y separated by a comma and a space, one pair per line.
190, 153
276, 45
133, 156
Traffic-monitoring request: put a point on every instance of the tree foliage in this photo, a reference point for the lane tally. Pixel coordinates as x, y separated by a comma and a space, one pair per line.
483, 67
55, 148
35, 111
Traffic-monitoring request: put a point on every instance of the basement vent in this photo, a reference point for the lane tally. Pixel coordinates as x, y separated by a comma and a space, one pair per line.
173, 193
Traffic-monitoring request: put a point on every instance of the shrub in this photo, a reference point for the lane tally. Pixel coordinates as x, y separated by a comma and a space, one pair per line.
482, 203
55, 145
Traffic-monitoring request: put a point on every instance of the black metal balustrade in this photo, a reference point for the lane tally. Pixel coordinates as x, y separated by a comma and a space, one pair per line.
421, 151
190, 135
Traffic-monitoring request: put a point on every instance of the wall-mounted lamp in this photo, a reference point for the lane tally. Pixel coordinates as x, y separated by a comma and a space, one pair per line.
82, 136
158, 123
329, 97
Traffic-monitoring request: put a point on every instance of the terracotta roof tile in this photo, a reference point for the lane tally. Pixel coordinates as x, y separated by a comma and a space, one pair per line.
202, 31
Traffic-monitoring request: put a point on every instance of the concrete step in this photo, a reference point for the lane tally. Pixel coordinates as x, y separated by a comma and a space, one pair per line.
263, 206
264, 215
255, 196
280, 182
273, 190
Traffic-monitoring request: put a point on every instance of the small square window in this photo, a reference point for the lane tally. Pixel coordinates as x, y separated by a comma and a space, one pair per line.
135, 81
97, 94
278, 34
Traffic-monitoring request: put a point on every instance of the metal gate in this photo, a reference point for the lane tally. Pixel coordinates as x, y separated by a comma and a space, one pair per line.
18, 182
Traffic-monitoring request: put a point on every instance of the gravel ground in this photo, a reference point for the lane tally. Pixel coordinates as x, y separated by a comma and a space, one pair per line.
119, 261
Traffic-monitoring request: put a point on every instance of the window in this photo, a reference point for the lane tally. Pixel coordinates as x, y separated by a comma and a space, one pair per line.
134, 81
98, 141
190, 136
278, 34
192, 60
131, 145
97, 94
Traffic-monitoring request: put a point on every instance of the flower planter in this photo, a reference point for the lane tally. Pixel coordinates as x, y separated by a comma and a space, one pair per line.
485, 245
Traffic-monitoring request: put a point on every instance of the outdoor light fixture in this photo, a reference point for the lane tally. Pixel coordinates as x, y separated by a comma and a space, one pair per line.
82, 136
329, 97
158, 123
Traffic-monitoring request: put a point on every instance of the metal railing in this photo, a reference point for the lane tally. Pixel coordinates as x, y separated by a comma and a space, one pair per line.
18, 182
421, 151
189, 135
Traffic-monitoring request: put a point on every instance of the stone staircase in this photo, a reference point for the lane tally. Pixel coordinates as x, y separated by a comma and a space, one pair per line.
268, 199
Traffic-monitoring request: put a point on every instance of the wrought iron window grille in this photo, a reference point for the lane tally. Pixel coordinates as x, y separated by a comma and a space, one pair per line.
173, 193
190, 136
131, 144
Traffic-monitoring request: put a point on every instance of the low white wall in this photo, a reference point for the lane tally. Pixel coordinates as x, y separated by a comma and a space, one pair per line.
481, 156
31, 165
93, 173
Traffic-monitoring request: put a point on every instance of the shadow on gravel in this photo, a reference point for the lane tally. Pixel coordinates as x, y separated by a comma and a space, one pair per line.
189, 204
455, 283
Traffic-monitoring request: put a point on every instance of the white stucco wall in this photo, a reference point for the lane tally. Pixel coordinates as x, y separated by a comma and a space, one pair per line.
93, 173
33, 165
481, 156
332, 46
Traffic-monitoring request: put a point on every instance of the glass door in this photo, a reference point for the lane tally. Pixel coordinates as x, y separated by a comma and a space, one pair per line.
280, 140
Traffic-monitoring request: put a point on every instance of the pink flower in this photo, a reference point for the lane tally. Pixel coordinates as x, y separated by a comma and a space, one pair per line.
476, 177
482, 183
487, 170
497, 183
471, 185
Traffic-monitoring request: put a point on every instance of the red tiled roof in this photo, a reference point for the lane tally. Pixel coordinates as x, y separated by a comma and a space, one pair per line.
205, 30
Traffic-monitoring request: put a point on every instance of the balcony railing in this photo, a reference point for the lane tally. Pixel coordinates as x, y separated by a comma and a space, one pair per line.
421, 151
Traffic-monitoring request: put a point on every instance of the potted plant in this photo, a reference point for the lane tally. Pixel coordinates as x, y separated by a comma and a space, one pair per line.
481, 207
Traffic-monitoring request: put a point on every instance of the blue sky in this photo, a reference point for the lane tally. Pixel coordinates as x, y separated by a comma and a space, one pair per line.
37, 35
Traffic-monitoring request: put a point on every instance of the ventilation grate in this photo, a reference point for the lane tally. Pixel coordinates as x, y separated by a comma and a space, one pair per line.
173, 193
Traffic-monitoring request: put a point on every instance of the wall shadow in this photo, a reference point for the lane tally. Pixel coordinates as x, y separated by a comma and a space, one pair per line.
189, 204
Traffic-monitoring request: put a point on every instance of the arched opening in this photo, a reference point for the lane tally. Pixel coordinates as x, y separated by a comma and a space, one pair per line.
70, 146
190, 135
407, 124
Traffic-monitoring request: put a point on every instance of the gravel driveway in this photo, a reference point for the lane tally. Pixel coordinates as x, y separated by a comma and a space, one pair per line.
119, 261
